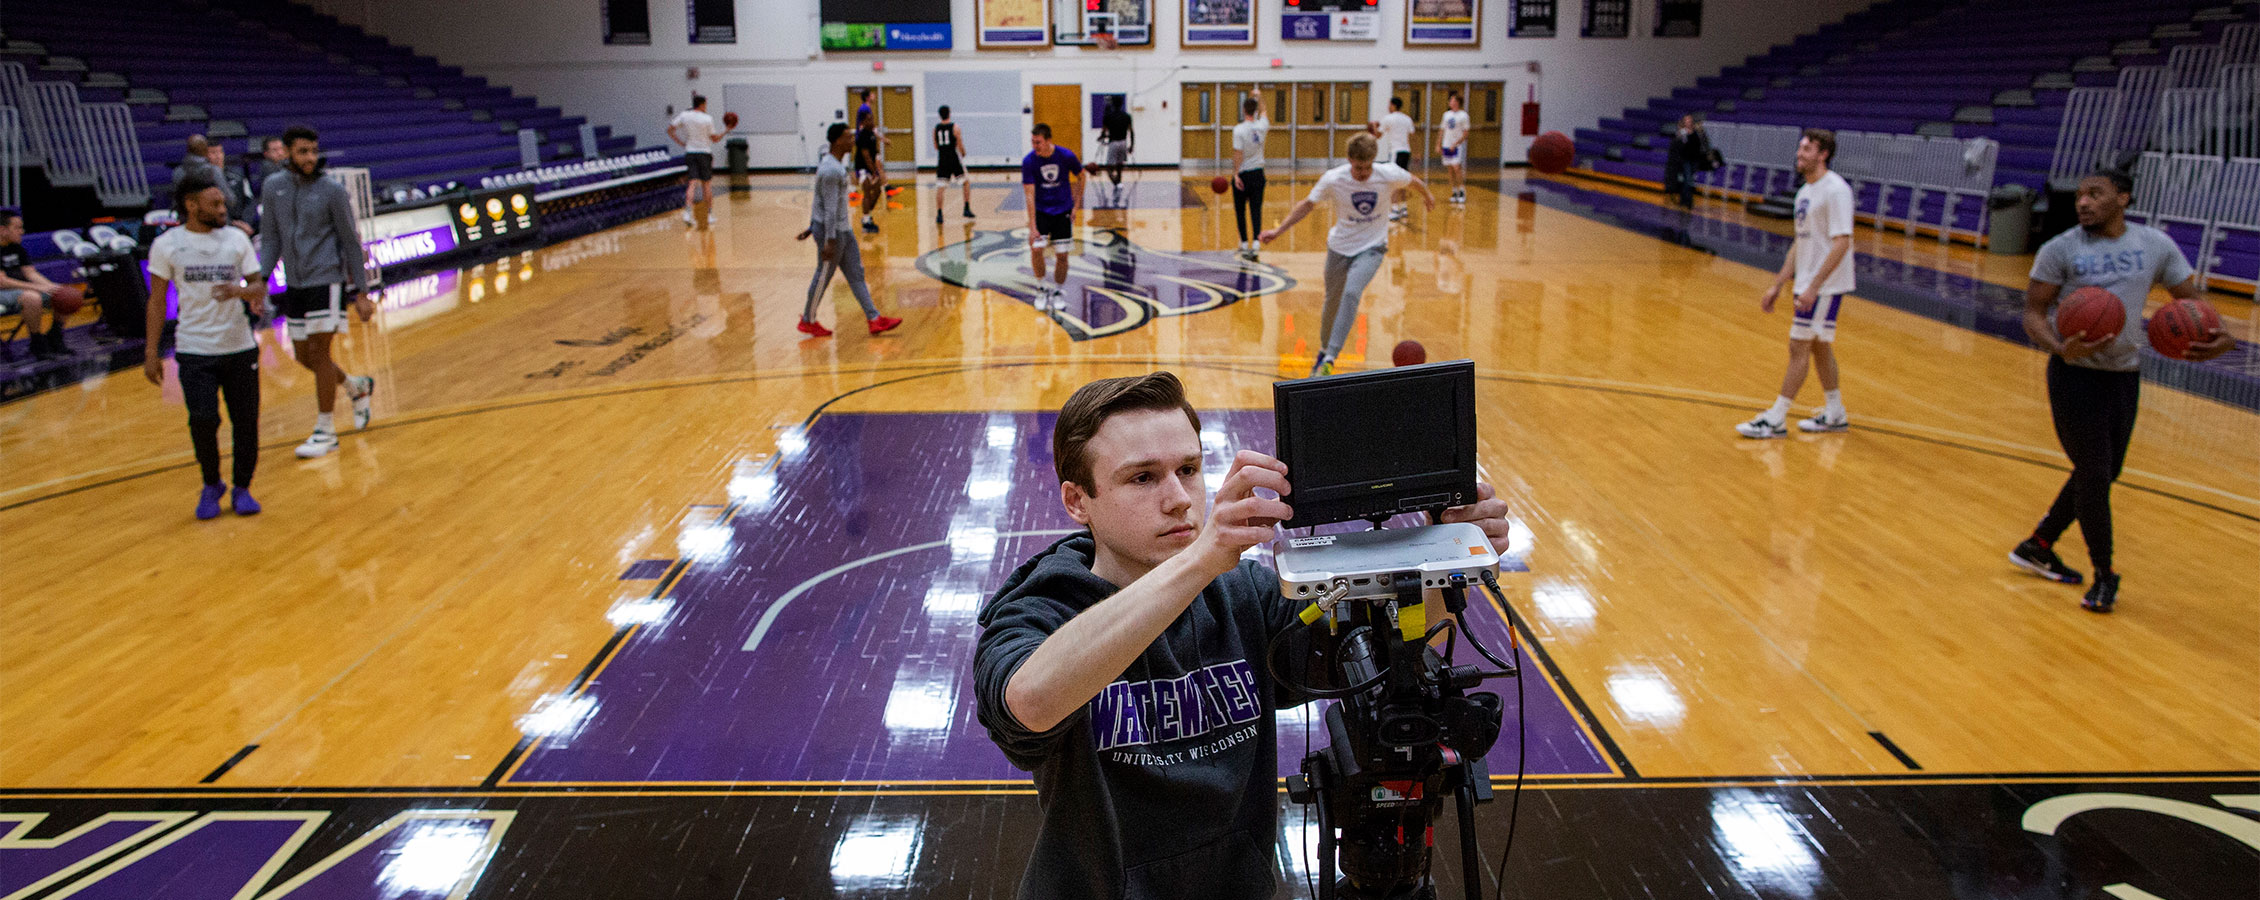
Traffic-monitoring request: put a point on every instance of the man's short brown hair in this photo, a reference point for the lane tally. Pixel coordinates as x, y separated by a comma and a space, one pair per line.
1092, 404
1362, 147
1823, 139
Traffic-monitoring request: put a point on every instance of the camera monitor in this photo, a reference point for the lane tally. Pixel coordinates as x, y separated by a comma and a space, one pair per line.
1375, 444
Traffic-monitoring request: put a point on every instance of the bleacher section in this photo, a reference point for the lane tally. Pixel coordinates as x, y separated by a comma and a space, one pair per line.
238, 70
1996, 69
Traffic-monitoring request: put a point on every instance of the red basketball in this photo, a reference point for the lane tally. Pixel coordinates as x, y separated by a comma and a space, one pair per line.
1408, 353
1552, 153
2180, 324
67, 300
2092, 311
1220, 184
729, 120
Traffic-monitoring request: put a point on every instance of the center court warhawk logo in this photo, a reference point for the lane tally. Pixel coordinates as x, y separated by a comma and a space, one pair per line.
1113, 285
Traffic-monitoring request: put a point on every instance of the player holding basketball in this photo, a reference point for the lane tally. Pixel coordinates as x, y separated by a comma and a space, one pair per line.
1051, 179
1247, 171
1396, 144
949, 165
1451, 144
834, 231
306, 225
213, 346
693, 130
2095, 386
1359, 238
1820, 260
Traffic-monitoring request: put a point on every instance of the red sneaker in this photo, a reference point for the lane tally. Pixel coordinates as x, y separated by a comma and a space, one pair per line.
884, 324
814, 330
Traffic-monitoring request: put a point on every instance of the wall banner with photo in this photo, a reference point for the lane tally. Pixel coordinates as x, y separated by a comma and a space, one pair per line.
1218, 23
1012, 23
1448, 22
1077, 22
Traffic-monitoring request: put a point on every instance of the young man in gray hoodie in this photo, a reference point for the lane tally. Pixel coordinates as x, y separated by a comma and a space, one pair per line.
306, 225
1151, 607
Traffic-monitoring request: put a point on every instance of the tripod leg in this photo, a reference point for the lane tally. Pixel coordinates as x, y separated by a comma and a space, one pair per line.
1471, 866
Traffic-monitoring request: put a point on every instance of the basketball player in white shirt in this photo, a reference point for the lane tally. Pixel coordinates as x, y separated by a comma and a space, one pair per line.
1396, 147
1821, 261
1451, 144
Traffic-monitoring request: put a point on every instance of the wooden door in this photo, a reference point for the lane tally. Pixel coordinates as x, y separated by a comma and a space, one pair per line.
1061, 107
1487, 116
898, 117
1198, 141
1279, 107
1314, 117
1353, 108
1439, 101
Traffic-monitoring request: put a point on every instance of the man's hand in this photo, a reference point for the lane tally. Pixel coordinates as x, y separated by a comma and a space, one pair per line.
1487, 512
1267, 235
804, 233
153, 368
2213, 346
1809, 299
2077, 346
364, 307
1240, 519
1236, 185
831, 251
1765, 300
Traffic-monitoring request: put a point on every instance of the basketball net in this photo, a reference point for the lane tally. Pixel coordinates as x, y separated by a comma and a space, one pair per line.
1104, 39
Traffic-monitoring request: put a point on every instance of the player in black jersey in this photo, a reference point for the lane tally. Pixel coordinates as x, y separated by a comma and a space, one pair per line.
949, 165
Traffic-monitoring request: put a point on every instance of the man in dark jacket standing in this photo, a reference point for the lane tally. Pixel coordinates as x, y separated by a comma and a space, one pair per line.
307, 225
1124, 665
1689, 153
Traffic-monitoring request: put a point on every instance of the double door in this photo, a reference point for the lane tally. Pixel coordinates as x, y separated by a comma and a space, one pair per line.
1485, 103
1311, 122
896, 108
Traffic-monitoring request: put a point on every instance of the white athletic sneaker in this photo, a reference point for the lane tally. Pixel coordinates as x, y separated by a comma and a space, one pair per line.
360, 388
1760, 427
1399, 214
320, 443
687, 220
1822, 422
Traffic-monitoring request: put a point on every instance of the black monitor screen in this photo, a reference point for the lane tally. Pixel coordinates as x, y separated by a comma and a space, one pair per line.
1377, 443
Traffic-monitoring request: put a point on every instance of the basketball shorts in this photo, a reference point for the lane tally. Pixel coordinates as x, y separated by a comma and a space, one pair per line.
1820, 323
1057, 229
1452, 156
949, 168
1404, 159
318, 309
701, 165
1118, 153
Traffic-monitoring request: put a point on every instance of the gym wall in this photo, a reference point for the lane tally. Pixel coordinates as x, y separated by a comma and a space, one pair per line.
553, 49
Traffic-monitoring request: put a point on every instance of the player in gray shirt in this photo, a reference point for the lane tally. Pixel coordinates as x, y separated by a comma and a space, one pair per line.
836, 249
2094, 386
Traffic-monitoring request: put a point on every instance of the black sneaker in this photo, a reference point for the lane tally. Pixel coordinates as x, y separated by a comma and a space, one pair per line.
969, 210
2102, 594
2032, 557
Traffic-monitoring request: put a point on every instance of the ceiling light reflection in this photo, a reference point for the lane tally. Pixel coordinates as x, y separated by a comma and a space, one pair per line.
703, 542
877, 853
1562, 601
921, 705
640, 610
1002, 436
1770, 851
558, 719
432, 858
986, 488
1644, 694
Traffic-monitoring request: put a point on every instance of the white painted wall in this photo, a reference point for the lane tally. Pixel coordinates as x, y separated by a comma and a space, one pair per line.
553, 49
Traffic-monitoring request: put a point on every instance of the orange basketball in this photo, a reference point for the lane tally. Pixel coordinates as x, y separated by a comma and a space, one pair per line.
1408, 353
67, 300
2180, 324
1220, 184
2092, 311
1552, 153
730, 120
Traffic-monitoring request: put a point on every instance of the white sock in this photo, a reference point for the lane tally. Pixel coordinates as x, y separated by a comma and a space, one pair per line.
1778, 412
322, 423
1835, 402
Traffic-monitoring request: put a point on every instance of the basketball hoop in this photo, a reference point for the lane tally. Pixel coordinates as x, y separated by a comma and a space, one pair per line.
1104, 39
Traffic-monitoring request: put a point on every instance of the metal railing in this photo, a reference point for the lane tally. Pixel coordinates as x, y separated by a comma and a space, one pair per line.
2139, 89
115, 150
11, 158
2193, 65
1905, 181
52, 109
2175, 193
2087, 136
2239, 116
2240, 44
14, 92
2232, 245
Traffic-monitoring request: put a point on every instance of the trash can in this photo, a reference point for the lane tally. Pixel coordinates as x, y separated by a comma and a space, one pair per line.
736, 149
2009, 228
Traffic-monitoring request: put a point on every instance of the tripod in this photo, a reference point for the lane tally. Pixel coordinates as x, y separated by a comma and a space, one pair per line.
1405, 734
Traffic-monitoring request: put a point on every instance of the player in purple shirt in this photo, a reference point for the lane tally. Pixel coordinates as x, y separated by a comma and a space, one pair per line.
1052, 179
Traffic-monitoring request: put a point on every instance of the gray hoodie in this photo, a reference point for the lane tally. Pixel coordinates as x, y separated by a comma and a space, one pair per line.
1165, 784
307, 225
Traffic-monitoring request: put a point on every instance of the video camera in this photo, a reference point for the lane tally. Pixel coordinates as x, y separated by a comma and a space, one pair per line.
1408, 729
